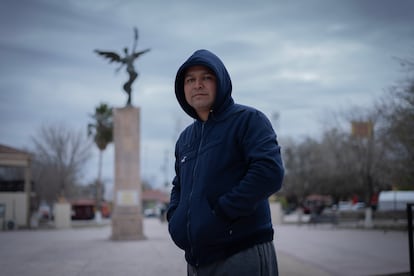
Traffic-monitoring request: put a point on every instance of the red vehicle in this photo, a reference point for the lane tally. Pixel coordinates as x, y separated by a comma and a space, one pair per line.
84, 209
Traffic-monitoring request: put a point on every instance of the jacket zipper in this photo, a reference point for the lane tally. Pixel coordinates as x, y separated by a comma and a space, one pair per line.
191, 192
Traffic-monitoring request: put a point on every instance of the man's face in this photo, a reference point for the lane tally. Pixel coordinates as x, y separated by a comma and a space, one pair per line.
200, 89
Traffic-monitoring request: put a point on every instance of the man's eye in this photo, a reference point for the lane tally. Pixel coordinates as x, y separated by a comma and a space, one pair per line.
189, 80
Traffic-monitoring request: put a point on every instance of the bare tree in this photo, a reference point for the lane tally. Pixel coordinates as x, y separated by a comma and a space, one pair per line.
346, 162
340, 164
397, 128
60, 154
302, 162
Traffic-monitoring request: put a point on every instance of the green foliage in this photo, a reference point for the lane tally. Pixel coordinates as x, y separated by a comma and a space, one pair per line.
102, 131
102, 127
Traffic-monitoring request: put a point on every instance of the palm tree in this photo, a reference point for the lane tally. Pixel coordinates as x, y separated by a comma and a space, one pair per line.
102, 131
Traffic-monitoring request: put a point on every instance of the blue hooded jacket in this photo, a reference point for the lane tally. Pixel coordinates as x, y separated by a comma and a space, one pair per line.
226, 168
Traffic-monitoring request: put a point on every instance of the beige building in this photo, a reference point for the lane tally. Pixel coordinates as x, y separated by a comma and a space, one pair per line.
15, 201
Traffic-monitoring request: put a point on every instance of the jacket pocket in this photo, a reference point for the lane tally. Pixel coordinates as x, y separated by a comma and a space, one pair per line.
209, 229
177, 227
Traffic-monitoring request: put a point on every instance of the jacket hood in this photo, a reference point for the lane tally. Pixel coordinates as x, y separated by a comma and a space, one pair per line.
224, 87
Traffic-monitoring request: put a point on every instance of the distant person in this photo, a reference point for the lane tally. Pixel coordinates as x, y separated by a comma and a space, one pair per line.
227, 164
163, 211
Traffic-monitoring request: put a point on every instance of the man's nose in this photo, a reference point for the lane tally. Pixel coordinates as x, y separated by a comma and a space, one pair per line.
199, 83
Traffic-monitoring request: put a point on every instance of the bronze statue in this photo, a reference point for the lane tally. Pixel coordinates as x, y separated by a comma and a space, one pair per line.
127, 60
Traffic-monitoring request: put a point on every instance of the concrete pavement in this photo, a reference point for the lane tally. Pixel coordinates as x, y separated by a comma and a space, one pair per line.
301, 250
338, 251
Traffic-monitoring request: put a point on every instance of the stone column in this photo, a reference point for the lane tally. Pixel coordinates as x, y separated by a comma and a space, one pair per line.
276, 213
62, 215
127, 215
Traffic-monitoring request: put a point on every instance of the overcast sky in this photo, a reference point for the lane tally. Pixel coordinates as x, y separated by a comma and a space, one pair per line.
301, 59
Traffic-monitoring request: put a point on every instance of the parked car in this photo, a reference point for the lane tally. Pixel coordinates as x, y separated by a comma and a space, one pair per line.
358, 206
151, 212
44, 211
344, 206
349, 206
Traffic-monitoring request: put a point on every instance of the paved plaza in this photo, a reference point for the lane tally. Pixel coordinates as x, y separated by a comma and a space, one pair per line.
319, 250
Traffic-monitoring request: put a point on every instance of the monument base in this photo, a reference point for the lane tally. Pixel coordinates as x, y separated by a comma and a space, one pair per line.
127, 227
127, 216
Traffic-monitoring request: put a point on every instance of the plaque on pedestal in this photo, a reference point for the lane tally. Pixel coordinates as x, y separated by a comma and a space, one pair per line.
127, 215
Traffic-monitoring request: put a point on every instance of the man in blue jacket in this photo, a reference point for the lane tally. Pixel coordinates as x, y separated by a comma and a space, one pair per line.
227, 164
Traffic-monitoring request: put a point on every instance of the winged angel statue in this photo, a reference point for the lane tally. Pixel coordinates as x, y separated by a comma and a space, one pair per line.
127, 60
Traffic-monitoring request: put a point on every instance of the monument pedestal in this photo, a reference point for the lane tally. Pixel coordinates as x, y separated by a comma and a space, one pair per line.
127, 214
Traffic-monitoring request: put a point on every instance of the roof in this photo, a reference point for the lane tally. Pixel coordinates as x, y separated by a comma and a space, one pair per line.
82, 202
85, 202
13, 157
10, 150
156, 195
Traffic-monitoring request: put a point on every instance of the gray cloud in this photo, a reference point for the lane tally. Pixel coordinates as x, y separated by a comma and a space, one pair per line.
298, 58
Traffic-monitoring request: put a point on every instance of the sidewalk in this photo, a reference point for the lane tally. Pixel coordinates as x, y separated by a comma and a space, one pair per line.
339, 251
301, 250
